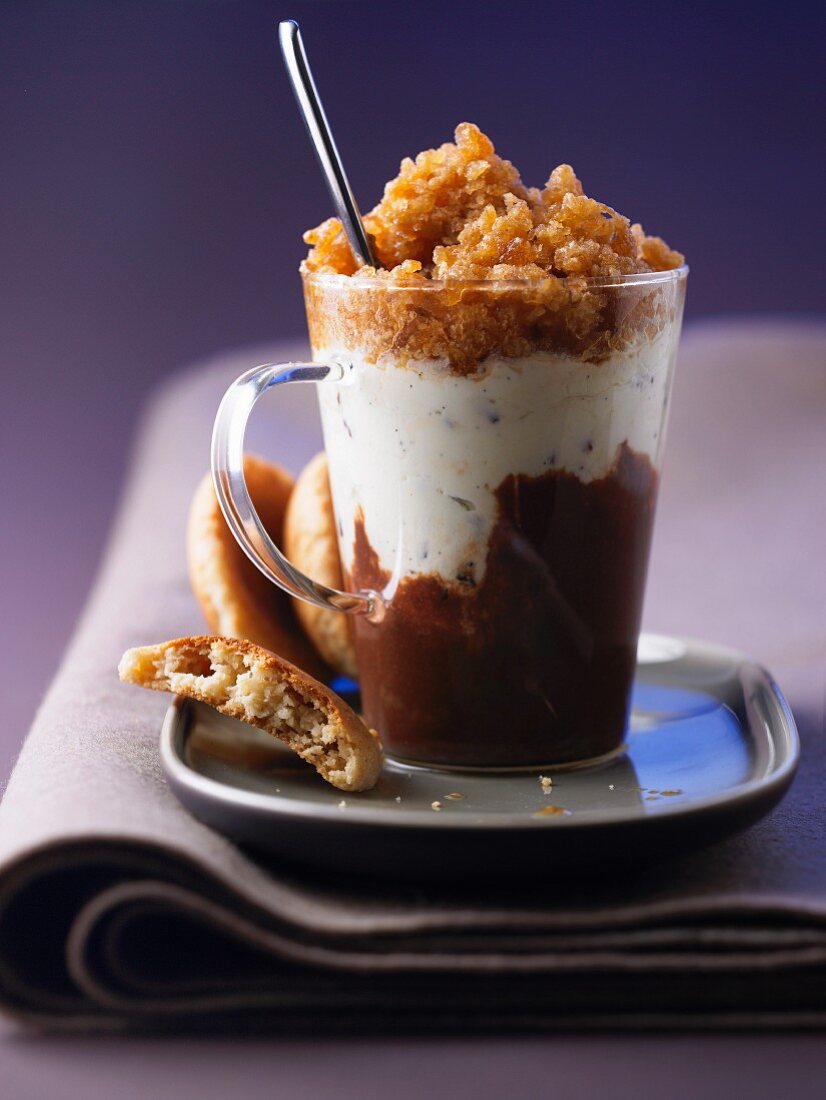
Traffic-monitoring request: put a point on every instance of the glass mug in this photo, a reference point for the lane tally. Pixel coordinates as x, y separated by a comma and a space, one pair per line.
494, 513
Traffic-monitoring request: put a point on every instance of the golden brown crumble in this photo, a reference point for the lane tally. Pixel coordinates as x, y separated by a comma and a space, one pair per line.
461, 214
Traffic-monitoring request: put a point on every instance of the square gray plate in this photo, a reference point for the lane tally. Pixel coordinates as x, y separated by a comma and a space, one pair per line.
712, 747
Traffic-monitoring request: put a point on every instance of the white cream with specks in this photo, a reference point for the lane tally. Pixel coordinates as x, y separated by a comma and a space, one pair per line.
421, 450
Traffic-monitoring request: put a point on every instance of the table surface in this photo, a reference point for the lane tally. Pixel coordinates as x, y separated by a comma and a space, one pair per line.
570, 1067
44, 603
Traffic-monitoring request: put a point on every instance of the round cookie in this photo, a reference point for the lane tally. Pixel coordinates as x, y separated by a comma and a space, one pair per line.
236, 599
311, 545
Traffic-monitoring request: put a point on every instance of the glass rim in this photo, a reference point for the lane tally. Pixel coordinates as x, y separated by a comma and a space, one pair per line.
375, 282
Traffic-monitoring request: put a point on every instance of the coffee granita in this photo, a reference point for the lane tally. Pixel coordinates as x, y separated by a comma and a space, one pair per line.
494, 458
460, 214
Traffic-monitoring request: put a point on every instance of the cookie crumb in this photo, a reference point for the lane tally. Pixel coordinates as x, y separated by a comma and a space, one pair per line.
675, 791
551, 811
454, 796
398, 798
435, 805
546, 782
652, 798
342, 804
610, 786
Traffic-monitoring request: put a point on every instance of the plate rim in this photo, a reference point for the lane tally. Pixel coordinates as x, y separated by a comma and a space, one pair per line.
767, 787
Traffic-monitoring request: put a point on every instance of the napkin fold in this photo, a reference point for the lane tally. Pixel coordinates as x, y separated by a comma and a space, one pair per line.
119, 910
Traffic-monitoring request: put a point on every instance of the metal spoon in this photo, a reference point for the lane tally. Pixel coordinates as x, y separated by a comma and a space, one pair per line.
319, 130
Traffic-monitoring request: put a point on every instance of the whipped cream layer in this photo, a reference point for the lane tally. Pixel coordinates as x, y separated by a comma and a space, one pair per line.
420, 450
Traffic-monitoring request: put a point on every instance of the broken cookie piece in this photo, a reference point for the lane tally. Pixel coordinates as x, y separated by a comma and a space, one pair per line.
249, 683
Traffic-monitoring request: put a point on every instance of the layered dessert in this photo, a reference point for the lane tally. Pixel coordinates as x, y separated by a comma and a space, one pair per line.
494, 453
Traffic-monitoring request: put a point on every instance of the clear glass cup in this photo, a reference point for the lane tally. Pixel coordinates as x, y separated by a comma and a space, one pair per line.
494, 454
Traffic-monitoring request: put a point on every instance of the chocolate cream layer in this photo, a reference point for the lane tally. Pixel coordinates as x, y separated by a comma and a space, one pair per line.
505, 516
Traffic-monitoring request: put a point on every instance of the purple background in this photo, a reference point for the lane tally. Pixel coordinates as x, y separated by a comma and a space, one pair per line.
155, 182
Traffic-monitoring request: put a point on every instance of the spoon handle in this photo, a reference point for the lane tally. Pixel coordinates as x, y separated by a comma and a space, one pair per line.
319, 130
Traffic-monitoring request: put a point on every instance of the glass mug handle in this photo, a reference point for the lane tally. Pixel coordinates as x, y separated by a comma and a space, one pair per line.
227, 458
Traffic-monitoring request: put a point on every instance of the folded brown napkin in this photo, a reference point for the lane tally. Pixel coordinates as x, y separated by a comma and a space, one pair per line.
117, 909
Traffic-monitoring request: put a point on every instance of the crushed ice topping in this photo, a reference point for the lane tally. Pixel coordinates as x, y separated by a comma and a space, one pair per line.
476, 265
462, 212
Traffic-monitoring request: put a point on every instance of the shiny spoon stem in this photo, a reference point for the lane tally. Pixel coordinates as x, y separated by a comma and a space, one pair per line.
309, 102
